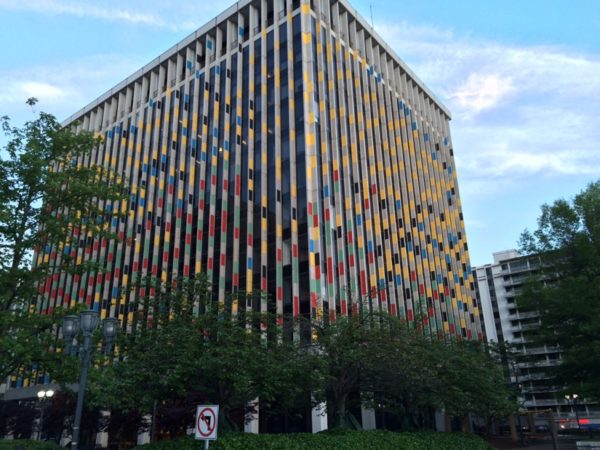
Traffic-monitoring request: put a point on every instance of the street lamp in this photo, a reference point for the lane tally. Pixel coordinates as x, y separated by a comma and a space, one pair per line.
43, 396
86, 323
572, 400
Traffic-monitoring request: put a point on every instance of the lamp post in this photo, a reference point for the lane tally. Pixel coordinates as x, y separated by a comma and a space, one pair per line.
86, 323
572, 400
43, 396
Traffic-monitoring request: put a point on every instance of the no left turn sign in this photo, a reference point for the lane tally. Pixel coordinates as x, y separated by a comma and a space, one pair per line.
207, 418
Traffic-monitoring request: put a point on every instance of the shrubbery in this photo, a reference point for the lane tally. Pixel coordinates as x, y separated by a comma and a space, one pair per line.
339, 440
19, 444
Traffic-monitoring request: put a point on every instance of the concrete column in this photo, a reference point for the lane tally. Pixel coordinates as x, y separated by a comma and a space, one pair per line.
440, 420
102, 436
319, 418
144, 436
368, 418
251, 420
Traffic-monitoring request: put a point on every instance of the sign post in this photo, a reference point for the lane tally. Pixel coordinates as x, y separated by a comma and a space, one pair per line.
207, 420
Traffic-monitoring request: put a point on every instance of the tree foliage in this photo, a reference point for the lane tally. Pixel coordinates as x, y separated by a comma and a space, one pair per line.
45, 193
567, 291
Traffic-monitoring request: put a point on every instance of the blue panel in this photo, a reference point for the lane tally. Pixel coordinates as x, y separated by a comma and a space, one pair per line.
115, 292
153, 171
189, 65
241, 31
414, 126
179, 203
163, 158
209, 44
424, 254
109, 134
326, 191
215, 132
460, 305
448, 259
142, 201
215, 150
421, 226
370, 246
132, 129
311, 245
171, 179
434, 156
434, 242
217, 69
440, 279
382, 283
449, 169
398, 280
426, 137
409, 246
226, 145
203, 156
445, 141
398, 204
184, 131
358, 220
115, 222
249, 262
456, 279
239, 120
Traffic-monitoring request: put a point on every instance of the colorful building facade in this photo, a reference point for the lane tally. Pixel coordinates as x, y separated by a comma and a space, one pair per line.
283, 147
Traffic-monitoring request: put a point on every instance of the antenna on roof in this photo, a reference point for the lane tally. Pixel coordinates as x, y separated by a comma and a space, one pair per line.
371, 9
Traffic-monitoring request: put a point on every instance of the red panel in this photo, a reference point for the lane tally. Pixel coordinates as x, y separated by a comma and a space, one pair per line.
236, 233
295, 250
237, 185
236, 279
336, 175
202, 184
250, 239
309, 208
223, 260
148, 224
171, 189
452, 329
145, 263
371, 258
393, 310
279, 255
188, 238
225, 185
211, 226
110, 257
160, 202
199, 235
176, 252
315, 220
313, 300
296, 306
409, 314
350, 237
330, 270
341, 268
209, 263
189, 219
213, 180
469, 334
165, 256
413, 276
351, 260
317, 273
344, 308
373, 189
135, 266
179, 213
279, 293
363, 283
366, 203
154, 270
168, 226
327, 214
224, 222
435, 295
421, 289
96, 246
186, 270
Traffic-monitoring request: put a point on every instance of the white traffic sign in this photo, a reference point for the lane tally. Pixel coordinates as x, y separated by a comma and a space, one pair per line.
207, 420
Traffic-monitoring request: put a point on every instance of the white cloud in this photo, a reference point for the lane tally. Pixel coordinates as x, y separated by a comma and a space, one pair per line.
482, 91
519, 111
186, 16
62, 88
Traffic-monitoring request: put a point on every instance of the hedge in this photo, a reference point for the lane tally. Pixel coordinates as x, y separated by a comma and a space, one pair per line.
339, 440
22, 444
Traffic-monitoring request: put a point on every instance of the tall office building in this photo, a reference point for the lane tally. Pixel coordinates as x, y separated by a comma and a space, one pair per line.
282, 147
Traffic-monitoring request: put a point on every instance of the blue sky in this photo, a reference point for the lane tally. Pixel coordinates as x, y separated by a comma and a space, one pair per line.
522, 79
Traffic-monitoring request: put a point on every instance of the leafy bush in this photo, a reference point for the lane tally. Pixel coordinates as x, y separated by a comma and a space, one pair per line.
21, 444
340, 440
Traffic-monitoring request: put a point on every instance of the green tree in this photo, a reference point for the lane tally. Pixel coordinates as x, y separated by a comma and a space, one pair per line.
44, 194
567, 291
